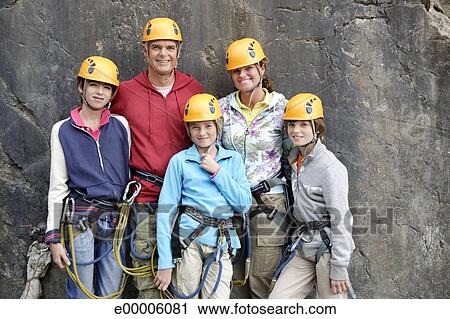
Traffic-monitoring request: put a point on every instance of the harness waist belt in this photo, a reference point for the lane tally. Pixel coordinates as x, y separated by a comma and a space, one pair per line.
78, 213
98, 203
303, 233
177, 243
149, 177
314, 224
206, 220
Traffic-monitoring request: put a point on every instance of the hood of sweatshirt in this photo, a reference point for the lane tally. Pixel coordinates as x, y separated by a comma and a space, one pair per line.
181, 80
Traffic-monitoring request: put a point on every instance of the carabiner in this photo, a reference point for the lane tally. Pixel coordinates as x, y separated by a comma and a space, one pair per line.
130, 200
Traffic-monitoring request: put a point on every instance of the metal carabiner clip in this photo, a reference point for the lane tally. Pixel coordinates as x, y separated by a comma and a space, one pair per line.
306, 236
130, 200
69, 210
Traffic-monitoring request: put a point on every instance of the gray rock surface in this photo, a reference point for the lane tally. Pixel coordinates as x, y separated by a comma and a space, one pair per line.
381, 67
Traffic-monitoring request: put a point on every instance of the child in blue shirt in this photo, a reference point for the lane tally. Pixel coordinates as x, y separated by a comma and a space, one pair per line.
204, 184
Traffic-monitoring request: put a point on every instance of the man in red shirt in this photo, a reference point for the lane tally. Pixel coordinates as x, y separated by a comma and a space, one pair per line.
153, 103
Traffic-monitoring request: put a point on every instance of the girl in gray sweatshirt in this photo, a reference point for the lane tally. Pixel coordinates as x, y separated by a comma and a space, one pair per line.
322, 243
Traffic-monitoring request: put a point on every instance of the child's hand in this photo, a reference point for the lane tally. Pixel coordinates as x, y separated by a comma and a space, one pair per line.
339, 286
163, 278
209, 164
59, 256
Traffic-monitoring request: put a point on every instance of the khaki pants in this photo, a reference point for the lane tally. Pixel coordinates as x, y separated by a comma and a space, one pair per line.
267, 242
299, 277
144, 243
190, 271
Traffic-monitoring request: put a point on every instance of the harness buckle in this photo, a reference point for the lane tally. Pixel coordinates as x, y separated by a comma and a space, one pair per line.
260, 188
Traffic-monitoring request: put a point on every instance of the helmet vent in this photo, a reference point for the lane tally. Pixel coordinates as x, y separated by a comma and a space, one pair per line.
91, 66
251, 51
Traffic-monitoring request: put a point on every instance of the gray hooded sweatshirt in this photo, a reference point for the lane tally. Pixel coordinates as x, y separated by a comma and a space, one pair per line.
321, 193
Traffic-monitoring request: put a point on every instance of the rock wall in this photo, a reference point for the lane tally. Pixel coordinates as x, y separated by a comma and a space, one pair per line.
381, 67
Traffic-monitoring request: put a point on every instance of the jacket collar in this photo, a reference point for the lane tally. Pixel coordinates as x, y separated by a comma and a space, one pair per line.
193, 155
272, 102
76, 118
181, 80
317, 150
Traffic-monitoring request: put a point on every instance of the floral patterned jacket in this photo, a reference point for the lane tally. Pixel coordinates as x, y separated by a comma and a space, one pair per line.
260, 142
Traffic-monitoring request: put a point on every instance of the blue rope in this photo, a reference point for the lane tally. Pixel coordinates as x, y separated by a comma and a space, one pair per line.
134, 252
284, 261
86, 263
205, 274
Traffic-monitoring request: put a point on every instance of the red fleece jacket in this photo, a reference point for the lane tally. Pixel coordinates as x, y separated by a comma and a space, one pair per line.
157, 128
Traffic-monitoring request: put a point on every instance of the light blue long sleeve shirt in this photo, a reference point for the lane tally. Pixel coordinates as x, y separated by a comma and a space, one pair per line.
186, 183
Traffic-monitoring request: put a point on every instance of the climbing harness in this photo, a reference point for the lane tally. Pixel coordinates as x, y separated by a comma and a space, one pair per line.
272, 214
125, 207
282, 220
84, 217
303, 234
178, 244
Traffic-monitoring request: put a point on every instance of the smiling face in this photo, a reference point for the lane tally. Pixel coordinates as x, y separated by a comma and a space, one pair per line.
96, 94
162, 56
203, 134
245, 79
300, 132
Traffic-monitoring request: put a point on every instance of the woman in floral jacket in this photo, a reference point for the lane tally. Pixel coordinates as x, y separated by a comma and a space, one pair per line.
253, 126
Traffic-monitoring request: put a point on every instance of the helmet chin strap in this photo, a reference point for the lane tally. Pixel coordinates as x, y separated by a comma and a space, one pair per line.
315, 138
83, 98
258, 85
209, 147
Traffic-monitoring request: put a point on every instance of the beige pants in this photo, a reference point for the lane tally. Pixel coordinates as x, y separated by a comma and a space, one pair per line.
144, 242
190, 271
267, 248
299, 277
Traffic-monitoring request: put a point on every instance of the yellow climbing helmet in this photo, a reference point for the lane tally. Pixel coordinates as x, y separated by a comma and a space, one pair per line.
243, 52
161, 29
303, 107
202, 107
97, 68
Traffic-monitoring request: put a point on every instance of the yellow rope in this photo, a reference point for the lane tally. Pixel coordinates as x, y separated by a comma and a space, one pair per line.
74, 274
142, 271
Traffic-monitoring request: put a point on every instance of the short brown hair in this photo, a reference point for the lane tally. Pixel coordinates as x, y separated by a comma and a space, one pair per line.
319, 124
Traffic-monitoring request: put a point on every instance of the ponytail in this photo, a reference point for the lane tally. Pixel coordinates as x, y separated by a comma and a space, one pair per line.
267, 83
